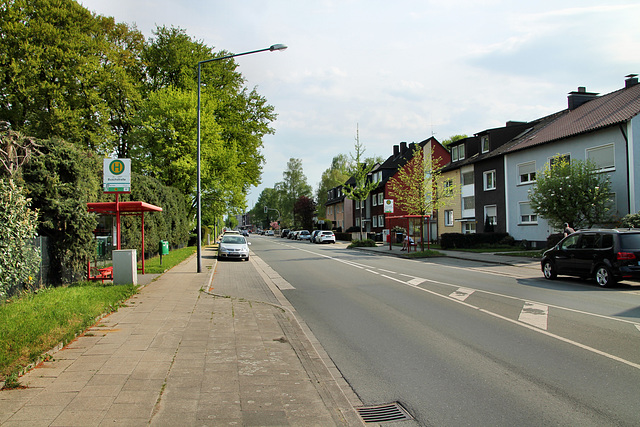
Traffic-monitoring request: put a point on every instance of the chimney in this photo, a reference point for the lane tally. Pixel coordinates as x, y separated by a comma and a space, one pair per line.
396, 150
578, 98
632, 80
403, 147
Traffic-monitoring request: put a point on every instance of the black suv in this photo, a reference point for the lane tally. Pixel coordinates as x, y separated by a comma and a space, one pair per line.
607, 255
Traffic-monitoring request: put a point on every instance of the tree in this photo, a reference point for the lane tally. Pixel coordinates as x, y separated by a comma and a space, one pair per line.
66, 73
571, 192
303, 211
18, 258
60, 182
268, 198
415, 186
293, 185
361, 185
453, 138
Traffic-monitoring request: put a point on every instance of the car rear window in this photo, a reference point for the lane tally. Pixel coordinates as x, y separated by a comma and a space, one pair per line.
630, 241
233, 239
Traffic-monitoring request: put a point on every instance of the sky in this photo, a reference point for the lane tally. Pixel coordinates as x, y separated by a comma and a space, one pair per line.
401, 70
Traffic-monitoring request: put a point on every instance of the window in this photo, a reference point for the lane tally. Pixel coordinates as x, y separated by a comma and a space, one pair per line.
491, 215
448, 218
358, 222
467, 178
484, 142
527, 215
603, 157
447, 187
559, 158
374, 221
457, 153
374, 200
357, 204
489, 179
380, 220
468, 202
527, 173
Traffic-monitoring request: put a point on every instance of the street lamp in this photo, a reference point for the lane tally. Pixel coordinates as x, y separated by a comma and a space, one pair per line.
198, 202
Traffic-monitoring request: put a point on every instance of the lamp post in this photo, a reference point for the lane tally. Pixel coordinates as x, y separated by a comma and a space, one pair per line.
198, 201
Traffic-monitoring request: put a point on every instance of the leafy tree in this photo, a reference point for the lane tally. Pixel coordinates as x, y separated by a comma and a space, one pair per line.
269, 198
293, 185
303, 211
337, 174
60, 182
571, 192
362, 185
19, 260
172, 224
453, 138
66, 73
415, 186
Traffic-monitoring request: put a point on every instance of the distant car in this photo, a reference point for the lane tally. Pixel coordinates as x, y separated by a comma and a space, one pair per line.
303, 235
314, 233
285, 233
608, 255
292, 235
233, 246
268, 233
245, 233
325, 237
231, 232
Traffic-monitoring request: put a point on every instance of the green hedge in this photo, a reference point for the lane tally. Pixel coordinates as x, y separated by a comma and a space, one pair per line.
466, 241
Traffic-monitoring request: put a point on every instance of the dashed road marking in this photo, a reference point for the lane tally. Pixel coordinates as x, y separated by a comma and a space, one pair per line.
461, 294
535, 314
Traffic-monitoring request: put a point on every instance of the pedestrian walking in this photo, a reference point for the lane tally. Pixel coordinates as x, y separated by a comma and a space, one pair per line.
568, 230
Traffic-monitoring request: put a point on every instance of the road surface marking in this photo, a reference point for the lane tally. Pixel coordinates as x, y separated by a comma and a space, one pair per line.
462, 293
535, 314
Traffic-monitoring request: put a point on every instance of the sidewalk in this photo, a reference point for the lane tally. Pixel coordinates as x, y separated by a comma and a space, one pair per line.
222, 347
486, 257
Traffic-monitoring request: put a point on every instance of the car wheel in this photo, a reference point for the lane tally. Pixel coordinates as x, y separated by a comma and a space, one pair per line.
549, 270
604, 277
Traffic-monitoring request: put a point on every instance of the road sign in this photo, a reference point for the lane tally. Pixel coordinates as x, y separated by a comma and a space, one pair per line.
117, 175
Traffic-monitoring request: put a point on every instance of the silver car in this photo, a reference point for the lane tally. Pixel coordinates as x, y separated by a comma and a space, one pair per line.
233, 246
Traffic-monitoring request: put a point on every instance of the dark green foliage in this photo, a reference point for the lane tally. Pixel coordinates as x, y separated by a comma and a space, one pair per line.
364, 243
60, 182
631, 221
172, 224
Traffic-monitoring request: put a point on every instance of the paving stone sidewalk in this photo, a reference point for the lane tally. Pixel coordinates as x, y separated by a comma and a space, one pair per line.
190, 349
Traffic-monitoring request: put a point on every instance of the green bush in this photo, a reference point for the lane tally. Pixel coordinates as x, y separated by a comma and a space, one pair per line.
466, 241
366, 243
631, 221
19, 260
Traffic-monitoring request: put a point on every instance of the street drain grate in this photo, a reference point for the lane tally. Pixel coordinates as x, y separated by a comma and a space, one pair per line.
384, 413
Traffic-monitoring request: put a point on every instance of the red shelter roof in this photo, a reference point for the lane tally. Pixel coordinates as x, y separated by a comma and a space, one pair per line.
123, 207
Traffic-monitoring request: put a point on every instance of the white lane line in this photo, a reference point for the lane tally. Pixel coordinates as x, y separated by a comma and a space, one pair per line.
416, 281
461, 294
638, 327
535, 314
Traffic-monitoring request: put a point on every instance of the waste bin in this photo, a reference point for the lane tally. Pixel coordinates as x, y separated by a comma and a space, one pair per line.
164, 247
125, 267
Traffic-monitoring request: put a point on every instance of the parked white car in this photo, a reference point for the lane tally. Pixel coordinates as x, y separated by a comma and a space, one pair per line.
233, 246
325, 237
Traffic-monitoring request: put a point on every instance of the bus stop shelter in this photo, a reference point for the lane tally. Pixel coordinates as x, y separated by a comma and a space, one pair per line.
118, 209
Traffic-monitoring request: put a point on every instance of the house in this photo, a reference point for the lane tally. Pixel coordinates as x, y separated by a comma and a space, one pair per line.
605, 129
339, 212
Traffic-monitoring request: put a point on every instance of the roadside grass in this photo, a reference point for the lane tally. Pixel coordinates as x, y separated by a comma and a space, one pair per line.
32, 324
35, 323
175, 257
424, 254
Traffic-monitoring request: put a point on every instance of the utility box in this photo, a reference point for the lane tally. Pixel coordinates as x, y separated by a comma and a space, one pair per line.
125, 267
164, 247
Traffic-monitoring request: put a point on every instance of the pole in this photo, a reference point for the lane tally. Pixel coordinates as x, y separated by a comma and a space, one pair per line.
198, 209
198, 192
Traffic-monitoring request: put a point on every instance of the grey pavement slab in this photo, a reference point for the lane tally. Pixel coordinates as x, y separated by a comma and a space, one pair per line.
216, 348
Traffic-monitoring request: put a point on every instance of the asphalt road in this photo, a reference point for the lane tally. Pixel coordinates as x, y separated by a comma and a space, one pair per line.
464, 343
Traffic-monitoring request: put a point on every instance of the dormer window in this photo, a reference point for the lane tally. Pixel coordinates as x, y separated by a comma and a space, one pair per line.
484, 142
457, 153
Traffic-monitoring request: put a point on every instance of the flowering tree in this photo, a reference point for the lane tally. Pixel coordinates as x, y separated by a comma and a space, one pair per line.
415, 186
571, 192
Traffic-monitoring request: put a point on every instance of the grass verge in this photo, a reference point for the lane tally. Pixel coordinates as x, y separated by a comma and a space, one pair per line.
175, 257
35, 323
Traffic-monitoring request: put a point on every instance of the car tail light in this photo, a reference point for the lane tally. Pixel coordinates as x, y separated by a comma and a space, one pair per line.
625, 256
